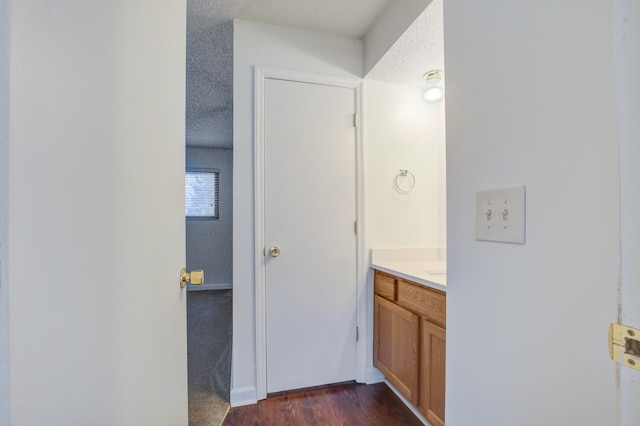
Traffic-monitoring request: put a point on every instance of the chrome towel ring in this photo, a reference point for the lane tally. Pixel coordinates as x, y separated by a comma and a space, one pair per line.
404, 182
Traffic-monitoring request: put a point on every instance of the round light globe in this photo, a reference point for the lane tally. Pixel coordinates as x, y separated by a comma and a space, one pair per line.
433, 94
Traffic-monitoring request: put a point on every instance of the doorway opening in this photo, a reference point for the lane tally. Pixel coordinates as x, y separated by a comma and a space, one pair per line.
209, 247
209, 153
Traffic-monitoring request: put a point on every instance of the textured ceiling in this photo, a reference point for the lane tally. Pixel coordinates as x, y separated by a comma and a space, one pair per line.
209, 64
209, 103
418, 50
347, 18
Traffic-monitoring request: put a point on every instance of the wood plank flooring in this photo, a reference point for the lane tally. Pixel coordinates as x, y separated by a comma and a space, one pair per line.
339, 404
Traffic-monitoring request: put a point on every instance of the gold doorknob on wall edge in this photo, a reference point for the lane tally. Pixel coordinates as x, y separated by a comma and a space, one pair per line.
193, 277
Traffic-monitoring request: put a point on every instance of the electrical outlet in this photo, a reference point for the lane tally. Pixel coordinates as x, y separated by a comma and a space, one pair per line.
500, 215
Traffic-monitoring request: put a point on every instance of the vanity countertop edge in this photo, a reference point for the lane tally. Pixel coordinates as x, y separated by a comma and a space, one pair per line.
415, 271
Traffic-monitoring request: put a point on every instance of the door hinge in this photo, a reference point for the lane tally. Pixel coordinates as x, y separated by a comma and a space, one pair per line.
624, 345
357, 334
355, 119
356, 227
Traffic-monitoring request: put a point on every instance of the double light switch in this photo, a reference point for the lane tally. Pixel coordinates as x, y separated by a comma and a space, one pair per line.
500, 215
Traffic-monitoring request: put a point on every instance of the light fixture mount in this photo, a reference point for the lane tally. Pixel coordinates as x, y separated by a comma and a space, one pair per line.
434, 75
434, 85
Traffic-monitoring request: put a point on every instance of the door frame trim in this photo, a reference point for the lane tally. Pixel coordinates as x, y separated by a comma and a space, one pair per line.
260, 75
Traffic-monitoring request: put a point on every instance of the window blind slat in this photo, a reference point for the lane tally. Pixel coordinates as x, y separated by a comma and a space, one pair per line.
202, 192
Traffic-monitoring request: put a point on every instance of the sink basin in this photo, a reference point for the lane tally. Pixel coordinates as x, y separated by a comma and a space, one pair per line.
436, 272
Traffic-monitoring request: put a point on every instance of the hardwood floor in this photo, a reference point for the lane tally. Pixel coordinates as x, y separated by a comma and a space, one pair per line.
339, 404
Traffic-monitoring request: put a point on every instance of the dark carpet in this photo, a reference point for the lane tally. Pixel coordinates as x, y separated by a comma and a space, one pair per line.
209, 355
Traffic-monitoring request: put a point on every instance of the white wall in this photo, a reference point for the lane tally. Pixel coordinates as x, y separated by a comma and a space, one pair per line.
261, 44
442, 184
401, 131
5, 33
209, 242
95, 191
531, 100
628, 61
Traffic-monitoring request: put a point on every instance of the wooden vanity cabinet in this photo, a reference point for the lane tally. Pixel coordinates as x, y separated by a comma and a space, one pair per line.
432, 372
396, 347
410, 340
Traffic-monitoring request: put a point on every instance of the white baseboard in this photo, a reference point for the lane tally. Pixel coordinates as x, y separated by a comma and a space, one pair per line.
413, 409
243, 396
374, 376
215, 286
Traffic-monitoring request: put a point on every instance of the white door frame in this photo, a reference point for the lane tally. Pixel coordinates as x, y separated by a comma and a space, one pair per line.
261, 74
627, 67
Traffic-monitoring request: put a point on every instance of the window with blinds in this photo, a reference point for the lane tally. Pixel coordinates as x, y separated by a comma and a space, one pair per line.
202, 191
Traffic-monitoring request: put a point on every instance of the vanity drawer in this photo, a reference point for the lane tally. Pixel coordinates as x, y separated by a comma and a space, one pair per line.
385, 286
431, 304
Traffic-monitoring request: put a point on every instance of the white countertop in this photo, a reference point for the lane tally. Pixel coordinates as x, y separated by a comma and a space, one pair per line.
426, 269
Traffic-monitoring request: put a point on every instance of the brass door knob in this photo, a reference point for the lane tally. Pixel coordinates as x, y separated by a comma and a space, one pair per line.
193, 277
274, 251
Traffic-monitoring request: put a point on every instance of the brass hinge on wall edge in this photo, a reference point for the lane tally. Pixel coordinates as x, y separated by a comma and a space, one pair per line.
624, 345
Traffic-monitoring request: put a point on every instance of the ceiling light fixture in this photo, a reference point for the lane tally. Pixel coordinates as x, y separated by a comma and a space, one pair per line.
434, 86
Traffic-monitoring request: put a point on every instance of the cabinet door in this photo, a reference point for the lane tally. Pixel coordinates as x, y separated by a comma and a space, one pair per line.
396, 349
432, 386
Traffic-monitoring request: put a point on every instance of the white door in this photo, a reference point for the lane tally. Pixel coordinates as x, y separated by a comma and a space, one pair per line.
310, 213
629, 94
96, 214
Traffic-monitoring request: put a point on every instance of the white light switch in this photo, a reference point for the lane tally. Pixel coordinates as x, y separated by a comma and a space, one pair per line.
500, 215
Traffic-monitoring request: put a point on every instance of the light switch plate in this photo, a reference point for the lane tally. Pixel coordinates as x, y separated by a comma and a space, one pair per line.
500, 215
